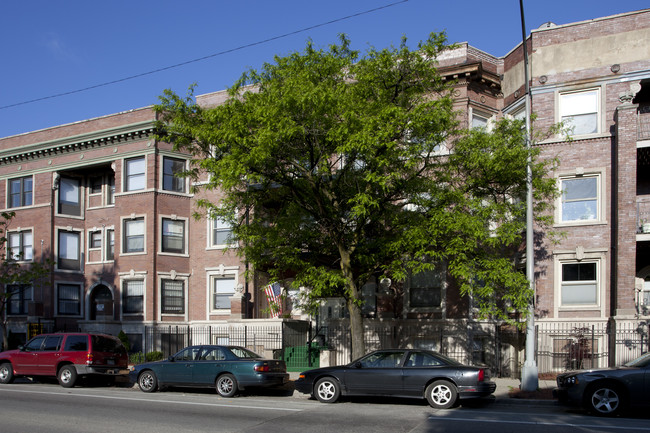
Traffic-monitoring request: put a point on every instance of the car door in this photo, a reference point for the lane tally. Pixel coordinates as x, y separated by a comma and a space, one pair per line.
207, 367
178, 371
49, 356
419, 367
26, 360
376, 373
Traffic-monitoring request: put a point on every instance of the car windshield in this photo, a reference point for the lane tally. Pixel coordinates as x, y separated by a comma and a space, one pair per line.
641, 361
240, 352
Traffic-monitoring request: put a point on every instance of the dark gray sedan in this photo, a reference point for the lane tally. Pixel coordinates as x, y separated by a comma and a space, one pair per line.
399, 373
607, 391
227, 368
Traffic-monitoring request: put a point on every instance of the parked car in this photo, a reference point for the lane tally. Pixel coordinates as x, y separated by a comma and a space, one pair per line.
227, 368
66, 356
607, 391
399, 373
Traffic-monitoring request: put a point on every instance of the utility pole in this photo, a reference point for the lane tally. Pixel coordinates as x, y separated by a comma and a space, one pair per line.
529, 372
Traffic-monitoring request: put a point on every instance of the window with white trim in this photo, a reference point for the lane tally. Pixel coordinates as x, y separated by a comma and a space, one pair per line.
135, 174
579, 111
223, 288
579, 283
133, 296
172, 169
580, 198
172, 296
133, 241
110, 244
221, 232
173, 236
20, 245
68, 299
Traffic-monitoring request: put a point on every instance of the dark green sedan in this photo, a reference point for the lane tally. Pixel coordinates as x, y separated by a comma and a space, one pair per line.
227, 368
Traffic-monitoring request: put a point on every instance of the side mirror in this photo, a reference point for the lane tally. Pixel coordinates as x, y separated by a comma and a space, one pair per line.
358, 364
170, 359
21, 348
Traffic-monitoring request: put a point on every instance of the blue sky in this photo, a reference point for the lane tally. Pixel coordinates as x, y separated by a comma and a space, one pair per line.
50, 47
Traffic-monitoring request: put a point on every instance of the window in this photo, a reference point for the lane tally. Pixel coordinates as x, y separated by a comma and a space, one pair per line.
425, 290
134, 235
69, 299
579, 199
579, 111
20, 192
135, 174
479, 121
645, 295
172, 168
95, 239
110, 244
19, 297
52, 342
69, 196
110, 197
20, 245
221, 232
133, 292
173, 297
96, 183
223, 290
579, 283
68, 257
76, 343
173, 236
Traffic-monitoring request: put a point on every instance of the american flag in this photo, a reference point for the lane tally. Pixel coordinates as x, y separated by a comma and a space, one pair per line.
273, 292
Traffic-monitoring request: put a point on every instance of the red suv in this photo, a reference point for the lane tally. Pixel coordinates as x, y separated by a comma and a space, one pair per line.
65, 356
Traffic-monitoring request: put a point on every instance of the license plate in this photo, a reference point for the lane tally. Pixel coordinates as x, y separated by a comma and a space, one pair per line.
110, 361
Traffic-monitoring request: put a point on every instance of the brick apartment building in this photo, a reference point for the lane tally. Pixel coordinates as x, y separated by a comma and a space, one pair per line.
100, 197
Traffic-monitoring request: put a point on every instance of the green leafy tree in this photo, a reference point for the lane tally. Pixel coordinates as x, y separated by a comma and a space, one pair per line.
14, 276
337, 156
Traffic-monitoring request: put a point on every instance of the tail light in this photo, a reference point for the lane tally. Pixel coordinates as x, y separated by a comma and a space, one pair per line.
90, 358
481, 375
261, 368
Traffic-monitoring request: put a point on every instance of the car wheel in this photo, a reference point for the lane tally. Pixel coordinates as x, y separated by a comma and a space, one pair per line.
67, 376
226, 385
606, 400
441, 394
327, 390
6, 373
147, 381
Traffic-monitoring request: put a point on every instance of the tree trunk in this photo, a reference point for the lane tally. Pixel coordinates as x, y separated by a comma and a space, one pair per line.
353, 304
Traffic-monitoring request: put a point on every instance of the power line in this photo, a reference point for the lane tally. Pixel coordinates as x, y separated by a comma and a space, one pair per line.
220, 53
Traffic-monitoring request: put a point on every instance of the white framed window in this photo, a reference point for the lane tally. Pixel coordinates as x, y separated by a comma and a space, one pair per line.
579, 110
95, 239
68, 250
580, 199
68, 299
172, 294
135, 174
133, 296
172, 168
20, 245
133, 240
579, 283
220, 233
223, 288
173, 236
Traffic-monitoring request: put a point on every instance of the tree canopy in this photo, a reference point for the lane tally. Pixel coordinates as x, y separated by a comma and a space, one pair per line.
354, 166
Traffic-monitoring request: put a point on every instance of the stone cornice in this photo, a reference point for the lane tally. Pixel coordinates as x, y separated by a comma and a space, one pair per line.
107, 137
